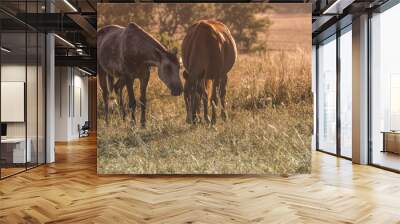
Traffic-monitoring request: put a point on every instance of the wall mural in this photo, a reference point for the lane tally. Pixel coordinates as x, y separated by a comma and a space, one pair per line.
204, 88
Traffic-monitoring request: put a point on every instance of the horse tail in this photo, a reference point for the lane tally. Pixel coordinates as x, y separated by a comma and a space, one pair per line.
110, 82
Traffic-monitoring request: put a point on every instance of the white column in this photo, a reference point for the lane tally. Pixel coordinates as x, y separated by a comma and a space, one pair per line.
360, 90
50, 94
62, 103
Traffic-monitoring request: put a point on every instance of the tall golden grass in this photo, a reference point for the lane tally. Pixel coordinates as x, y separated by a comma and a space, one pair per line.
269, 103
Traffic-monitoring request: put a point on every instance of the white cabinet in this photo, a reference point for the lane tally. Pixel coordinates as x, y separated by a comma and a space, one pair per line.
19, 155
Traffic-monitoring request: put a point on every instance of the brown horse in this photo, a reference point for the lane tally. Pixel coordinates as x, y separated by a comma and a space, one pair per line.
126, 54
209, 53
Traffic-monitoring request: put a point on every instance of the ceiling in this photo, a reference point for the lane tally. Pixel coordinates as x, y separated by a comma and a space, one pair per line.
75, 22
330, 15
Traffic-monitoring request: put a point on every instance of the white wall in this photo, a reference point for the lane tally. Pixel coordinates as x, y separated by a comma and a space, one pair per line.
33, 126
80, 110
13, 101
12, 73
62, 81
71, 87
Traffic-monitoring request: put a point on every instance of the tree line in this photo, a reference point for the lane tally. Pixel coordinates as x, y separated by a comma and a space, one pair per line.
169, 22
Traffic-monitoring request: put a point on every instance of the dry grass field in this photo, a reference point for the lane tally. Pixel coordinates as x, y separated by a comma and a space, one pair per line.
269, 106
269, 128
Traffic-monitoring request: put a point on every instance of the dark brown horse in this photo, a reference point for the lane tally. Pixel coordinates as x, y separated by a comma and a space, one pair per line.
118, 86
126, 54
209, 53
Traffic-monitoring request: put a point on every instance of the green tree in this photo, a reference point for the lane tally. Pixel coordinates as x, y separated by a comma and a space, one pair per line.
246, 22
123, 14
178, 17
174, 19
169, 22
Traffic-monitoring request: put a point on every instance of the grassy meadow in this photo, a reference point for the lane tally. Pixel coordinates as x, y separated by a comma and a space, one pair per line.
269, 99
269, 106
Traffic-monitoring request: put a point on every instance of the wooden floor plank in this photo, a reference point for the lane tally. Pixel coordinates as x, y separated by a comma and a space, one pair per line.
70, 191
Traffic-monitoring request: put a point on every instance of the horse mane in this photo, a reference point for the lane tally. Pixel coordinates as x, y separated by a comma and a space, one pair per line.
153, 41
148, 36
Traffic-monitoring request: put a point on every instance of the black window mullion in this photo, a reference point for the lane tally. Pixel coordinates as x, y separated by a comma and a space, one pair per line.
45, 94
37, 90
369, 90
338, 77
317, 96
0, 98
26, 87
73, 92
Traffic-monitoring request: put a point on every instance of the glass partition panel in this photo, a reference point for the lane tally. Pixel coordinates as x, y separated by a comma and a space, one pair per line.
346, 93
22, 88
385, 89
41, 98
327, 95
31, 98
14, 153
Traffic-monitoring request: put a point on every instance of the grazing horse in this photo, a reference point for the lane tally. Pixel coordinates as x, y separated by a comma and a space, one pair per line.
118, 85
208, 53
126, 54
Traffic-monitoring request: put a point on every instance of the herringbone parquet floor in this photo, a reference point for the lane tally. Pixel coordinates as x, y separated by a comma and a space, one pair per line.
69, 191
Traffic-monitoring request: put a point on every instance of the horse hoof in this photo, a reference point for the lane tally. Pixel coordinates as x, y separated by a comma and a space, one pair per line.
213, 121
196, 120
133, 122
224, 117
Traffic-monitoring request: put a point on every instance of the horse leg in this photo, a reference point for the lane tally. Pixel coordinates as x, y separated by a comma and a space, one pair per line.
222, 93
204, 97
132, 101
199, 97
121, 101
104, 89
214, 101
186, 96
192, 89
196, 100
143, 87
